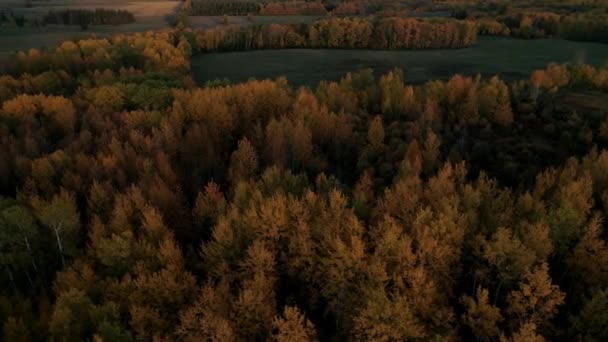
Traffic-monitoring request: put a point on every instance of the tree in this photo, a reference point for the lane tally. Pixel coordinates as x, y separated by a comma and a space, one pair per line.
384, 319
537, 299
495, 102
108, 98
277, 142
363, 196
393, 94
19, 238
536, 79
255, 305
375, 134
591, 323
71, 319
61, 217
301, 146
589, 259
526, 333
243, 162
15, 329
208, 318
209, 205
481, 316
431, 153
293, 326
508, 257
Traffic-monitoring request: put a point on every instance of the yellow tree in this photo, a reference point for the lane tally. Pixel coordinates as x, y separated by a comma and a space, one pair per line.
375, 134
243, 162
537, 299
293, 326
481, 316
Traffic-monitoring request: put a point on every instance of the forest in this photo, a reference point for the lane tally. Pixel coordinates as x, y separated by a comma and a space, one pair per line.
89, 17
136, 205
541, 25
341, 33
216, 7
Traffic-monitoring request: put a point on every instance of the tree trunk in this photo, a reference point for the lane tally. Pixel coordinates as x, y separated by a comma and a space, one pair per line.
497, 292
57, 229
29, 250
12, 279
29, 279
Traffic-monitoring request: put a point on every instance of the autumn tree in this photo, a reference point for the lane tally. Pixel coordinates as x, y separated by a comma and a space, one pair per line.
481, 316
243, 162
495, 102
293, 326
537, 299
375, 134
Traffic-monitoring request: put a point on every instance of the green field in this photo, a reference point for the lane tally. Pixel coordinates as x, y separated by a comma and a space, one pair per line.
509, 58
149, 16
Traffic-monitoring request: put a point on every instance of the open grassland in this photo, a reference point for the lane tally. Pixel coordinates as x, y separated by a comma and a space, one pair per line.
140, 8
509, 58
149, 15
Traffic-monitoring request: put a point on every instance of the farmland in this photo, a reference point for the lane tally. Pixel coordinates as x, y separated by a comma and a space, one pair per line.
509, 58
141, 9
150, 15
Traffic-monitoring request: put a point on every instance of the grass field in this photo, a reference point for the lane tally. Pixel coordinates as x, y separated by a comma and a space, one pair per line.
149, 15
140, 8
509, 58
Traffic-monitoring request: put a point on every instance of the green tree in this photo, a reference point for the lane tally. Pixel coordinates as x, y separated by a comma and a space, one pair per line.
61, 216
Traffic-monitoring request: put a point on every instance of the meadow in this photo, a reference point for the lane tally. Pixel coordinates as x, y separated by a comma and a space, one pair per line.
150, 16
509, 58
141, 9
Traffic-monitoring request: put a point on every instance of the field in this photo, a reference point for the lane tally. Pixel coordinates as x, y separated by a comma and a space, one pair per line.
141, 8
509, 58
150, 15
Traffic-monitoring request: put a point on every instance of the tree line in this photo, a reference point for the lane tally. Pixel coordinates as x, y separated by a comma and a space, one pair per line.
293, 8
159, 51
216, 7
9, 17
387, 33
84, 17
534, 25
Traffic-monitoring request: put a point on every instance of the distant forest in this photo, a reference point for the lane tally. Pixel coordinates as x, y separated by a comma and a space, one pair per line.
84, 17
350, 33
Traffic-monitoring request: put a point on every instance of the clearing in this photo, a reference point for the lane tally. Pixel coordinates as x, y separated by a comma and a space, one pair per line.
507, 57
